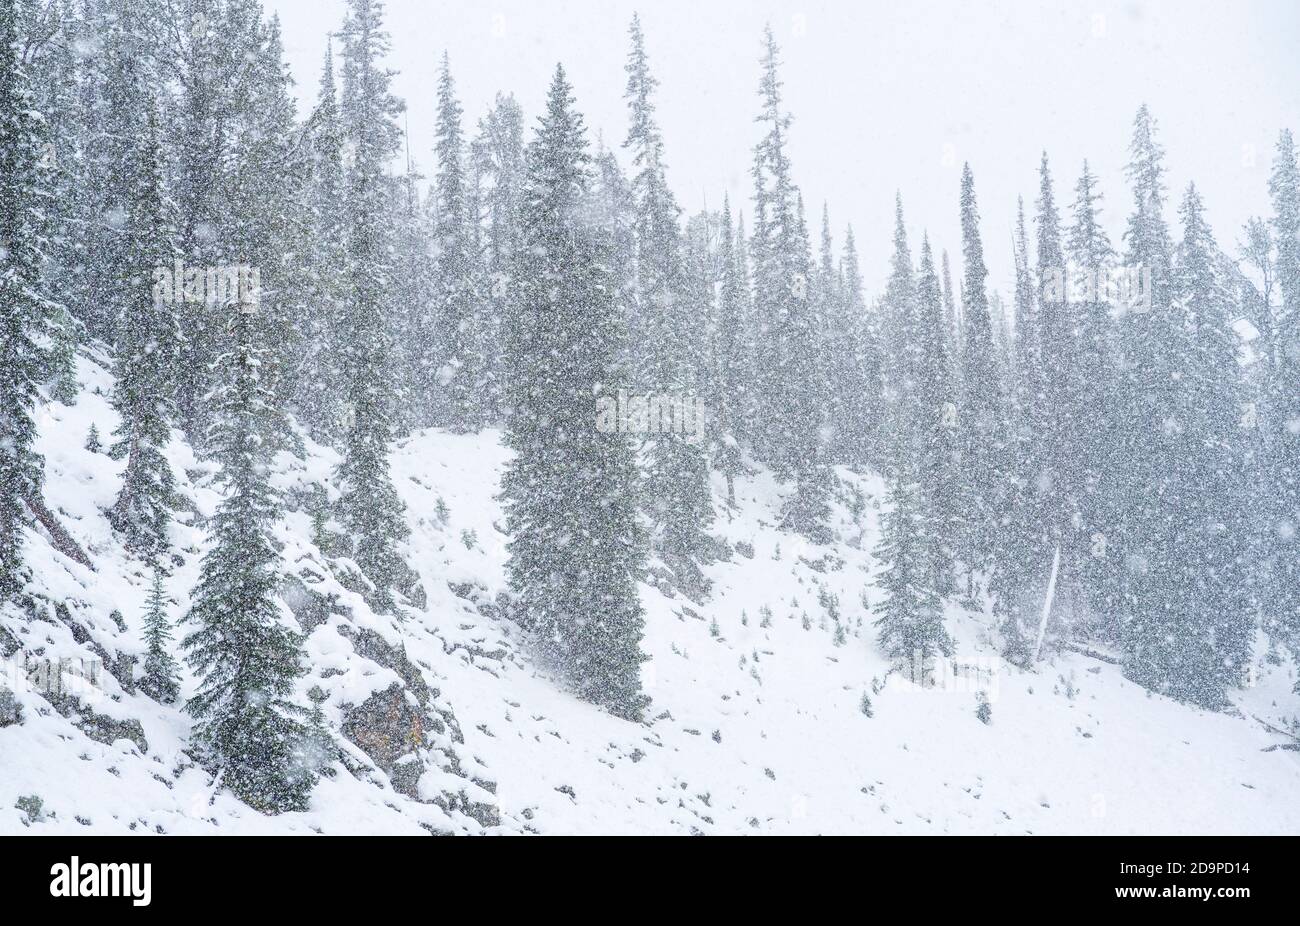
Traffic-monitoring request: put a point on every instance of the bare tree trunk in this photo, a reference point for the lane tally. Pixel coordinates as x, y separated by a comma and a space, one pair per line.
61, 539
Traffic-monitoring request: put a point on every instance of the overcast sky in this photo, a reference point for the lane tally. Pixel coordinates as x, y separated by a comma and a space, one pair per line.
885, 95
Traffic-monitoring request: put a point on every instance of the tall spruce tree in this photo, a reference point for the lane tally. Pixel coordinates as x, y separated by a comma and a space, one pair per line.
981, 413
909, 617
733, 358
319, 401
148, 348
789, 425
900, 337
570, 489
860, 390
161, 679
1021, 555
247, 729
369, 506
456, 377
1282, 525
1094, 408
1204, 610
1154, 347
935, 407
499, 151
23, 303
671, 313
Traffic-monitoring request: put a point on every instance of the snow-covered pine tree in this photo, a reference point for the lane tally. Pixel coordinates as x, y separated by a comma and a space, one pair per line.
499, 152
128, 79
935, 396
1094, 408
456, 376
846, 388
733, 357
53, 72
901, 341
161, 680
1208, 603
1282, 526
413, 326
1022, 554
908, 615
319, 402
613, 208
802, 390
266, 203
212, 59
148, 343
982, 411
953, 320
369, 507
1154, 350
672, 323
858, 404
1054, 336
23, 304
243, 649
788, 401
569, 491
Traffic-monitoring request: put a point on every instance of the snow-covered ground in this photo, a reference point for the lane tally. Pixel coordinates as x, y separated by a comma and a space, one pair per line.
757, 723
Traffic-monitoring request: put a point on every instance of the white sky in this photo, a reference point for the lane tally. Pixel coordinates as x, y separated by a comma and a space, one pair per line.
885, 95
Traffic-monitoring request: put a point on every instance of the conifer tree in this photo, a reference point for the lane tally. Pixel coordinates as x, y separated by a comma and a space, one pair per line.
802, 388
247, 731
733, 357
908, 615
1191, 628
369, 507
936, 424
456, 377
267, 205
216, 62
789, 432
677, 488
148, 346
161, 672
861, 388
900, 337
500, 155
320, 388
570, 489
23, 304
1282, 524
981, 414
53, 72
1153, 348
1094, 409
953, 321
1020, 555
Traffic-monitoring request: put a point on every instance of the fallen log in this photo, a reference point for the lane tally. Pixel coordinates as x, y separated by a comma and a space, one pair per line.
59, 536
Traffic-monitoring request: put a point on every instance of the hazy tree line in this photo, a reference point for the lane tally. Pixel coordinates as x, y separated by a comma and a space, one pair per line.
151, 152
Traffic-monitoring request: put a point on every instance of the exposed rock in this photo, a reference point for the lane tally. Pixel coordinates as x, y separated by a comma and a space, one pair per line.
389, 728
310, 607
11, 712
371, 645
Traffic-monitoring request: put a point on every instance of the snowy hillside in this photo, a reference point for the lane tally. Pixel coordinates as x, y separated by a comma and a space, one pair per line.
772, 710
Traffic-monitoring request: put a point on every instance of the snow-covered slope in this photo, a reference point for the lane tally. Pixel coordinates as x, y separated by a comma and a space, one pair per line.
773, 711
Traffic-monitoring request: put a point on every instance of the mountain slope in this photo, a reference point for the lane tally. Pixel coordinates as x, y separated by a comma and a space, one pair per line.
445, 723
